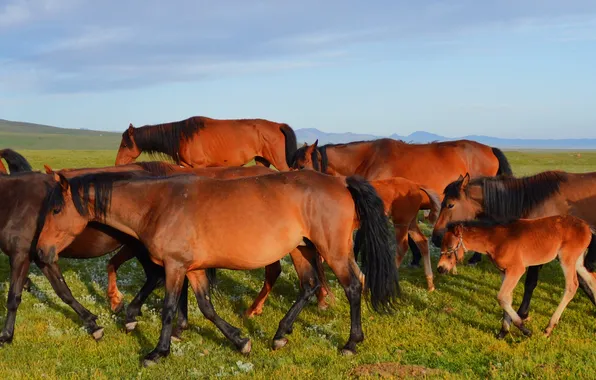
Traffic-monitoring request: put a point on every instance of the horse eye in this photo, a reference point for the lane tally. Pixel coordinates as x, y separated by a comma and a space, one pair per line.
450, 205
56, 211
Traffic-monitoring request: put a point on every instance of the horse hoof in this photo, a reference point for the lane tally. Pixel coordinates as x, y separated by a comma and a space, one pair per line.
5, 340
279, 343
149, 363
347, 352
245, 350
527, 332
502, 334
323, 306
175, 338
97, 334
130, 326
252, 313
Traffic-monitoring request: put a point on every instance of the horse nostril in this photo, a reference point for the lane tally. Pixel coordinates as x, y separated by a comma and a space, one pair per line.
441, 270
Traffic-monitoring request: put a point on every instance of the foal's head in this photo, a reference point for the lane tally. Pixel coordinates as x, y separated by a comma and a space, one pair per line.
457, 204
452, 249
60, 221
307, 157
128, 150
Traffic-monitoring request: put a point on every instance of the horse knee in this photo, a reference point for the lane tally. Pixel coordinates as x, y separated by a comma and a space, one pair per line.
13, 302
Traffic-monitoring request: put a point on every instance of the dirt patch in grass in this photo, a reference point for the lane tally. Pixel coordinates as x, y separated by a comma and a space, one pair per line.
394, 371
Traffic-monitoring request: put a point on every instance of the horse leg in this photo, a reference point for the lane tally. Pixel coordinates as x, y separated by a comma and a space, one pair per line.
155, 278
54, 275
174, 280
116, 298
475, 259
523, 311
505, 296
587, 281
401, 237
416, 256
200, 285
571, 285
19, 267
422, 243
182, 322
305, 265
272, 272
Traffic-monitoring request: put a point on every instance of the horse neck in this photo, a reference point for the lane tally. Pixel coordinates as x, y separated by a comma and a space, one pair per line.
345, 160
119, 215
478, 239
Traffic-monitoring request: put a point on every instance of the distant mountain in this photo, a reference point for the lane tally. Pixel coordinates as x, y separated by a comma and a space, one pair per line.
311, 134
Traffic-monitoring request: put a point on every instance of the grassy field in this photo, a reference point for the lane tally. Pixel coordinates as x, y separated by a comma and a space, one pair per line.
445, 334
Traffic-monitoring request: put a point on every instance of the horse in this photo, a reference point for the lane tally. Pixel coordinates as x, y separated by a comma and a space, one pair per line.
204, 142
562, 236
506, 198
432, 165
269, 215
15, 161
126, 253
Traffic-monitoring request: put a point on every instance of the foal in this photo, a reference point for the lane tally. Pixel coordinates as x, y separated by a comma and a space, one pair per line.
563, 236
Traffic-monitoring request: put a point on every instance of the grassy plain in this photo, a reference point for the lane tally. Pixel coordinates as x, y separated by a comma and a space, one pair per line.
445, 334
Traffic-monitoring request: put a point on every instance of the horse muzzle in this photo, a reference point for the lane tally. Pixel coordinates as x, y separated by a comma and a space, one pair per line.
48, 257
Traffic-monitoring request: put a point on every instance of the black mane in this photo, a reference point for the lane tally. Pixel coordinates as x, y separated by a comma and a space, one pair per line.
509, 198
164, 139
16, 162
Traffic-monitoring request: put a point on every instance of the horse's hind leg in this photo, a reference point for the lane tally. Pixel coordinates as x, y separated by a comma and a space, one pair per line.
174, 280
272, 272
401, 237
182, 322
416, 256
19, 266
305, 265
422, 243
505, 297
200, 285
571, 285
116, 299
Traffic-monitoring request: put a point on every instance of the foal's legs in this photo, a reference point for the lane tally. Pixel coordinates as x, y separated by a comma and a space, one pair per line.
272, 272
200, 285
123, 255
19, 267
401, 237
571, 286
174, 280
305, 265
529, 286
422, 243
510, 279
54, 275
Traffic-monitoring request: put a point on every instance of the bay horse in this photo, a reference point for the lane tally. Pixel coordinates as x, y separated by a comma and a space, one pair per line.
433, 165
506, 198
204, 142
269, 215
563, 236
129, 252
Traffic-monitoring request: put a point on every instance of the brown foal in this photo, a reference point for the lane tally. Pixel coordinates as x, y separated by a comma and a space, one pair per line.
564, 237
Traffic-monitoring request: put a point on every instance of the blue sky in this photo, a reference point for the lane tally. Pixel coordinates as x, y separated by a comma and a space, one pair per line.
503, 68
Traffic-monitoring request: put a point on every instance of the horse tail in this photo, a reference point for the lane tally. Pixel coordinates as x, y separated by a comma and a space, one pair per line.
590, 258
504, 167
433, 200
212, 278
16, 162
378, 257
291, 143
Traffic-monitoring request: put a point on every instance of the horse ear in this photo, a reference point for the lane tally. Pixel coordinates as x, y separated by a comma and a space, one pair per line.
458, 230
315, 144
465, 181
131, 129
48, 169
62, 181
460, 178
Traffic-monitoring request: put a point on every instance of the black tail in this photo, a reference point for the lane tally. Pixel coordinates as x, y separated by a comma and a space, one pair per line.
16, 162
212, 278
291, 144
378, 257
590, 258
504, 167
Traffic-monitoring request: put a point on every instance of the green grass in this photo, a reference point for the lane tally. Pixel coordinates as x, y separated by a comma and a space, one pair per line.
450, 330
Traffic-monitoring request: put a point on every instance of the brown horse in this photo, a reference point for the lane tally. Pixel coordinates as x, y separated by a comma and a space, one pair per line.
506, 198
203, 142
269, 215
128, 252
564, 237
433, 165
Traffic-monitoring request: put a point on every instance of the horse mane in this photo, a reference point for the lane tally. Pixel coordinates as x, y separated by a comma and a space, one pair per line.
163, 140
510, 198
16, 162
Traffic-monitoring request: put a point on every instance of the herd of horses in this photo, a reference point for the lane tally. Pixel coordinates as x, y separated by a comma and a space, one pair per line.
324, 205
